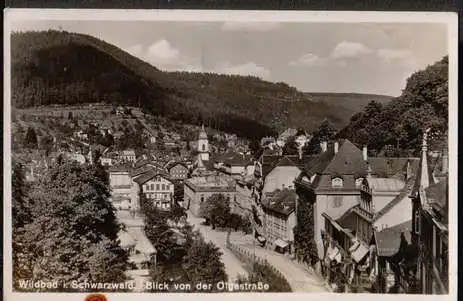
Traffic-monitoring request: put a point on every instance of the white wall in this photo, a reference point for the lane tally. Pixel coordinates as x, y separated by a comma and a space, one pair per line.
379, 201
134, 197
323, 204
119, 178
281, 177
398, 214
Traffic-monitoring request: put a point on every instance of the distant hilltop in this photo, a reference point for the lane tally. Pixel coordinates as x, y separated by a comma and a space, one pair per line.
58, 67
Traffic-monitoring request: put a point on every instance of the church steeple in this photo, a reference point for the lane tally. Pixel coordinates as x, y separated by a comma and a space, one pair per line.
424, 176
203, 145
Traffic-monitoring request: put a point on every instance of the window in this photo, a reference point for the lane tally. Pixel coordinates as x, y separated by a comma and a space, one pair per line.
204, 147
337, 201
336, 183
163, 187
202, 198
157, 186
167, 187
152, 186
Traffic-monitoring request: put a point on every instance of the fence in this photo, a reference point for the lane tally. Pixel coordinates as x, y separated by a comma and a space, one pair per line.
251, 259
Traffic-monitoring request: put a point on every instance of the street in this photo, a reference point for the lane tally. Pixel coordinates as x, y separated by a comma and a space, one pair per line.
233, 266
299, 277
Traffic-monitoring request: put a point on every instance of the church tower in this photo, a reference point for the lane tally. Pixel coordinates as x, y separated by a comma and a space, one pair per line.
203, 145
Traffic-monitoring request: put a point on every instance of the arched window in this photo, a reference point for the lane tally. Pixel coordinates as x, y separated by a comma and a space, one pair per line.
202, 198
336, 183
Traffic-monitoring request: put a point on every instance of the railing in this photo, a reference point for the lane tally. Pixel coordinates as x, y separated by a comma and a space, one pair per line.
250, 258
365, 188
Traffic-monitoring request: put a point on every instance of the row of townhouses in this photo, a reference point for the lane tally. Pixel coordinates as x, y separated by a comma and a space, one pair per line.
381, 219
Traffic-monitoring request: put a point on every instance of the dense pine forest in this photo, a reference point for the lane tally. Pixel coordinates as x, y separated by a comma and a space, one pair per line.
57, 67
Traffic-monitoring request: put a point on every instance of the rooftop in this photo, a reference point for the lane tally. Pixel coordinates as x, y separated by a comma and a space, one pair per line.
404, 192
282, 201
210, 182
388, 240
437, 196
148, 175
386, 184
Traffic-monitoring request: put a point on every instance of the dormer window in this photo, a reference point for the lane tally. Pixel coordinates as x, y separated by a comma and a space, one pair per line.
336, 183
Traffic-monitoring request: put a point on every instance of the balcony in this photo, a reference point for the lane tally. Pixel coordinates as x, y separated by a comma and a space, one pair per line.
364, 188
362, 212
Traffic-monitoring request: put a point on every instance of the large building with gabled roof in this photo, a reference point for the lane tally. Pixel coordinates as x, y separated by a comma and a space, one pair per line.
156, 186
346, 190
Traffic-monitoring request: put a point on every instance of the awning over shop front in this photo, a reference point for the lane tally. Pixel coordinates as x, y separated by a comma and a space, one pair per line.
280, 243
359, 253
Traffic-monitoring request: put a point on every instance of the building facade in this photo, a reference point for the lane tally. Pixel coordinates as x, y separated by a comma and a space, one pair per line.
177, 171
156, 187
280, 220
198, 189
430, 229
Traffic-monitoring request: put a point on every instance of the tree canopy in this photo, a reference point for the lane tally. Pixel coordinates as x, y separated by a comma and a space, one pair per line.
216, 210
70, 229
47, 69
397, 128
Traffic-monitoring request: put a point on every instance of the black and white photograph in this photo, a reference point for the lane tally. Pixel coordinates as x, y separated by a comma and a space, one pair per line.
229, 152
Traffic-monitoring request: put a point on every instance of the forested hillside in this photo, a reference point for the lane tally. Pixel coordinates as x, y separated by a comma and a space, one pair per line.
397, 128
56, 67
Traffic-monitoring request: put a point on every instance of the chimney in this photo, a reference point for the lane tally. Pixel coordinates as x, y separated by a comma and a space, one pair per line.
336, 147
365, 153
324, 146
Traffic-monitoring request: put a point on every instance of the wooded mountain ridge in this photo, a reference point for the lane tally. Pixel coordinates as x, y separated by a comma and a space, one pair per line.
58, 67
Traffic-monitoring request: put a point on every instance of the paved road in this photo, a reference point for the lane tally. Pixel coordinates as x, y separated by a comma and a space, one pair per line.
299, 276
233, 266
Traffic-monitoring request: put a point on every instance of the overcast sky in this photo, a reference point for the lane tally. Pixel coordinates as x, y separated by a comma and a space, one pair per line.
313, 57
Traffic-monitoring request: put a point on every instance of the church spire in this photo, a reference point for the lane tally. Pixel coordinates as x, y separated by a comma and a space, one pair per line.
424, 176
